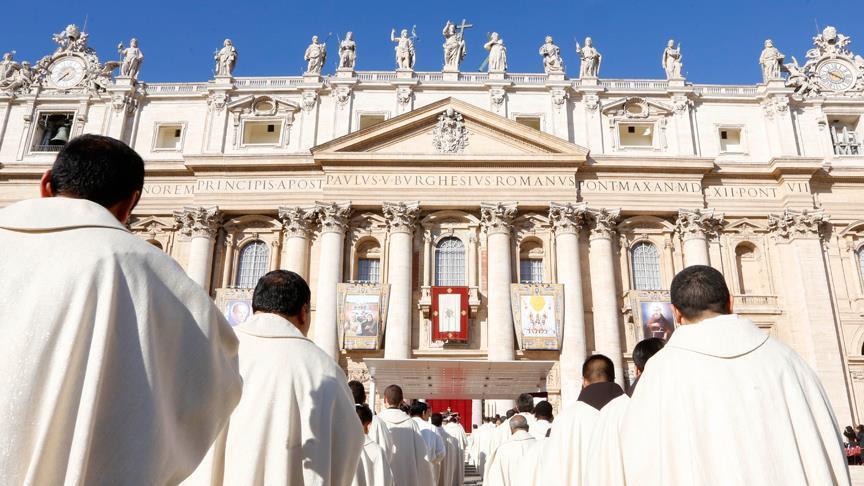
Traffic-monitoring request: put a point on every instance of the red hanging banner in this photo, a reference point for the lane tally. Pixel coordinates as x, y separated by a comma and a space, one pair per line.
450, 314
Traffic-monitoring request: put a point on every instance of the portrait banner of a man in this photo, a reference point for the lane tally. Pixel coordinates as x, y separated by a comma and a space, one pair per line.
537, 314
236, 304
653, 315
362, 310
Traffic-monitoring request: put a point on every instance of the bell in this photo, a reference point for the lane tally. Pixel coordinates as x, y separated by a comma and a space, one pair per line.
61, 137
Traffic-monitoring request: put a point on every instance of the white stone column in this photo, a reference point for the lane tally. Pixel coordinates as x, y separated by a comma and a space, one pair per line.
401, 218
476, 413
200, 224
567, 220
496, 219
333, 220
472, 259
297, 223
694, 227
604, 291
809, 306
427, 258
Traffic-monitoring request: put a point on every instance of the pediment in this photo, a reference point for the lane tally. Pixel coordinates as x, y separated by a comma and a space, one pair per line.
452, 130
636, 107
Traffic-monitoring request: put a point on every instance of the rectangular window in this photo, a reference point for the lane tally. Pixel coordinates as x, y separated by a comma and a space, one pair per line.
730, 140
529, 121
169, 137
262, 132
636, 135
52, 131
369, 270
530, 270
369, 119
844, 134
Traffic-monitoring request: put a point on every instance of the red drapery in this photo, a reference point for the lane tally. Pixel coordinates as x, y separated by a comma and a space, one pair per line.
462, 407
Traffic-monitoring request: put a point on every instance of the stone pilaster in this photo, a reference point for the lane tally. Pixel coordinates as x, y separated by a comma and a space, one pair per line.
297, 224
695, 227
604, 291
401, 219
809, 305
200, 225
333, 222
567, 220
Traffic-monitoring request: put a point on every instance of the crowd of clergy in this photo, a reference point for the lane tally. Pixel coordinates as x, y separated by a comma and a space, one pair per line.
117, 369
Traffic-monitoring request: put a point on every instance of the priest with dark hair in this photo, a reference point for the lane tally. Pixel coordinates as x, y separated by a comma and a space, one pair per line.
410, 464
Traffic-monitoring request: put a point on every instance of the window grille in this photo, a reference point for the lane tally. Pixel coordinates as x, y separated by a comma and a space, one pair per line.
369, 270
450, 262
646, 266
530, 270
252, 264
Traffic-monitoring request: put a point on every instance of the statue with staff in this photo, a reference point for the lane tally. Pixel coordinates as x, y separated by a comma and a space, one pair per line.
455, 48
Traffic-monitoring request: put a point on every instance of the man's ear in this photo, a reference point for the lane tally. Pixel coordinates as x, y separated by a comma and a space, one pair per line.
676, 314
123, 209
731, 304
45, 189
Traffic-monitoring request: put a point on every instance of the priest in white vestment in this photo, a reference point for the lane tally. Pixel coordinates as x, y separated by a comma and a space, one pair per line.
724, 403
435, 448
484, 442
505, 465
117, 368
453, 428
296, 423
373, 468
501, 434
377, 431
566, 450
451, 446
605, 464
409, 464
542, 420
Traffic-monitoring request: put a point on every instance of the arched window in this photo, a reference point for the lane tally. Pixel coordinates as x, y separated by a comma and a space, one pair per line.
369, 262
646, 266
531, 262
450, 262
253, 263
749, 269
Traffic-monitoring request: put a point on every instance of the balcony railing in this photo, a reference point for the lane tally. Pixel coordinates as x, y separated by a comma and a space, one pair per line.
758, 304
46, 148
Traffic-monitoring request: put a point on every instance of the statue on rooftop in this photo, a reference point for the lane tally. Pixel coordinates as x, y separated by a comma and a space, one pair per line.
672, 60
552, 62
455, 47
771, 61
132, 57
405, 54
226, 59
315, 56
497, 53
590, 56
71, 40
347, 52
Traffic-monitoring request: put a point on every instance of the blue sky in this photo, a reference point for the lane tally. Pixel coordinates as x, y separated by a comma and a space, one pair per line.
721, 40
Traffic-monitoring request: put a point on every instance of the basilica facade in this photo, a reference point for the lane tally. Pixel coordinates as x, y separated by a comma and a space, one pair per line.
473, 235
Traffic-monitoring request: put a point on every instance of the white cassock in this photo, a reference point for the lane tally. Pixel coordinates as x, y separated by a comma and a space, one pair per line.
448, 466
117, 368
539, 428
379, 433
605, 465
566, 449
296, 422
457, 432
484, 438
723, 403
409, 464
435, 448
502, 434
373, 468
505, 466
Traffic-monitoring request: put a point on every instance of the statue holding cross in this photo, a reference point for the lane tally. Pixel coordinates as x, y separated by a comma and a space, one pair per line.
455, 48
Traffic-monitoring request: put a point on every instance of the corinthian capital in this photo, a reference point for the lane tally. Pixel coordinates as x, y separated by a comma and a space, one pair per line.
603, 222
497, 217
401, 216
198, 221
333, 217
806, 223
698, 223
567, 218
297, 221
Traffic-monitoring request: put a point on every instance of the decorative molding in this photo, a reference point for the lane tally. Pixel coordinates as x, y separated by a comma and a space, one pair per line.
450, 135
401, 216
698, 223
497, 217
343, 95
567, 218
805, 223
217, 101
297, 221
592, 102
310, 99
559, 98
199, 221
333, 217
404, 94
603, 222
775, 105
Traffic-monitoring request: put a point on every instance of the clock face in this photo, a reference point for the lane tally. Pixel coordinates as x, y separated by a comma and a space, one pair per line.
836, 76
67, 72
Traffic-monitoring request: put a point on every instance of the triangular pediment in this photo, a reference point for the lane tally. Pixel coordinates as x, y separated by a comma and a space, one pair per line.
449, 130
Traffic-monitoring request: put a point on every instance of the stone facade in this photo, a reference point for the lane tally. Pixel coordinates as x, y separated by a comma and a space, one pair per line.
763, 182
